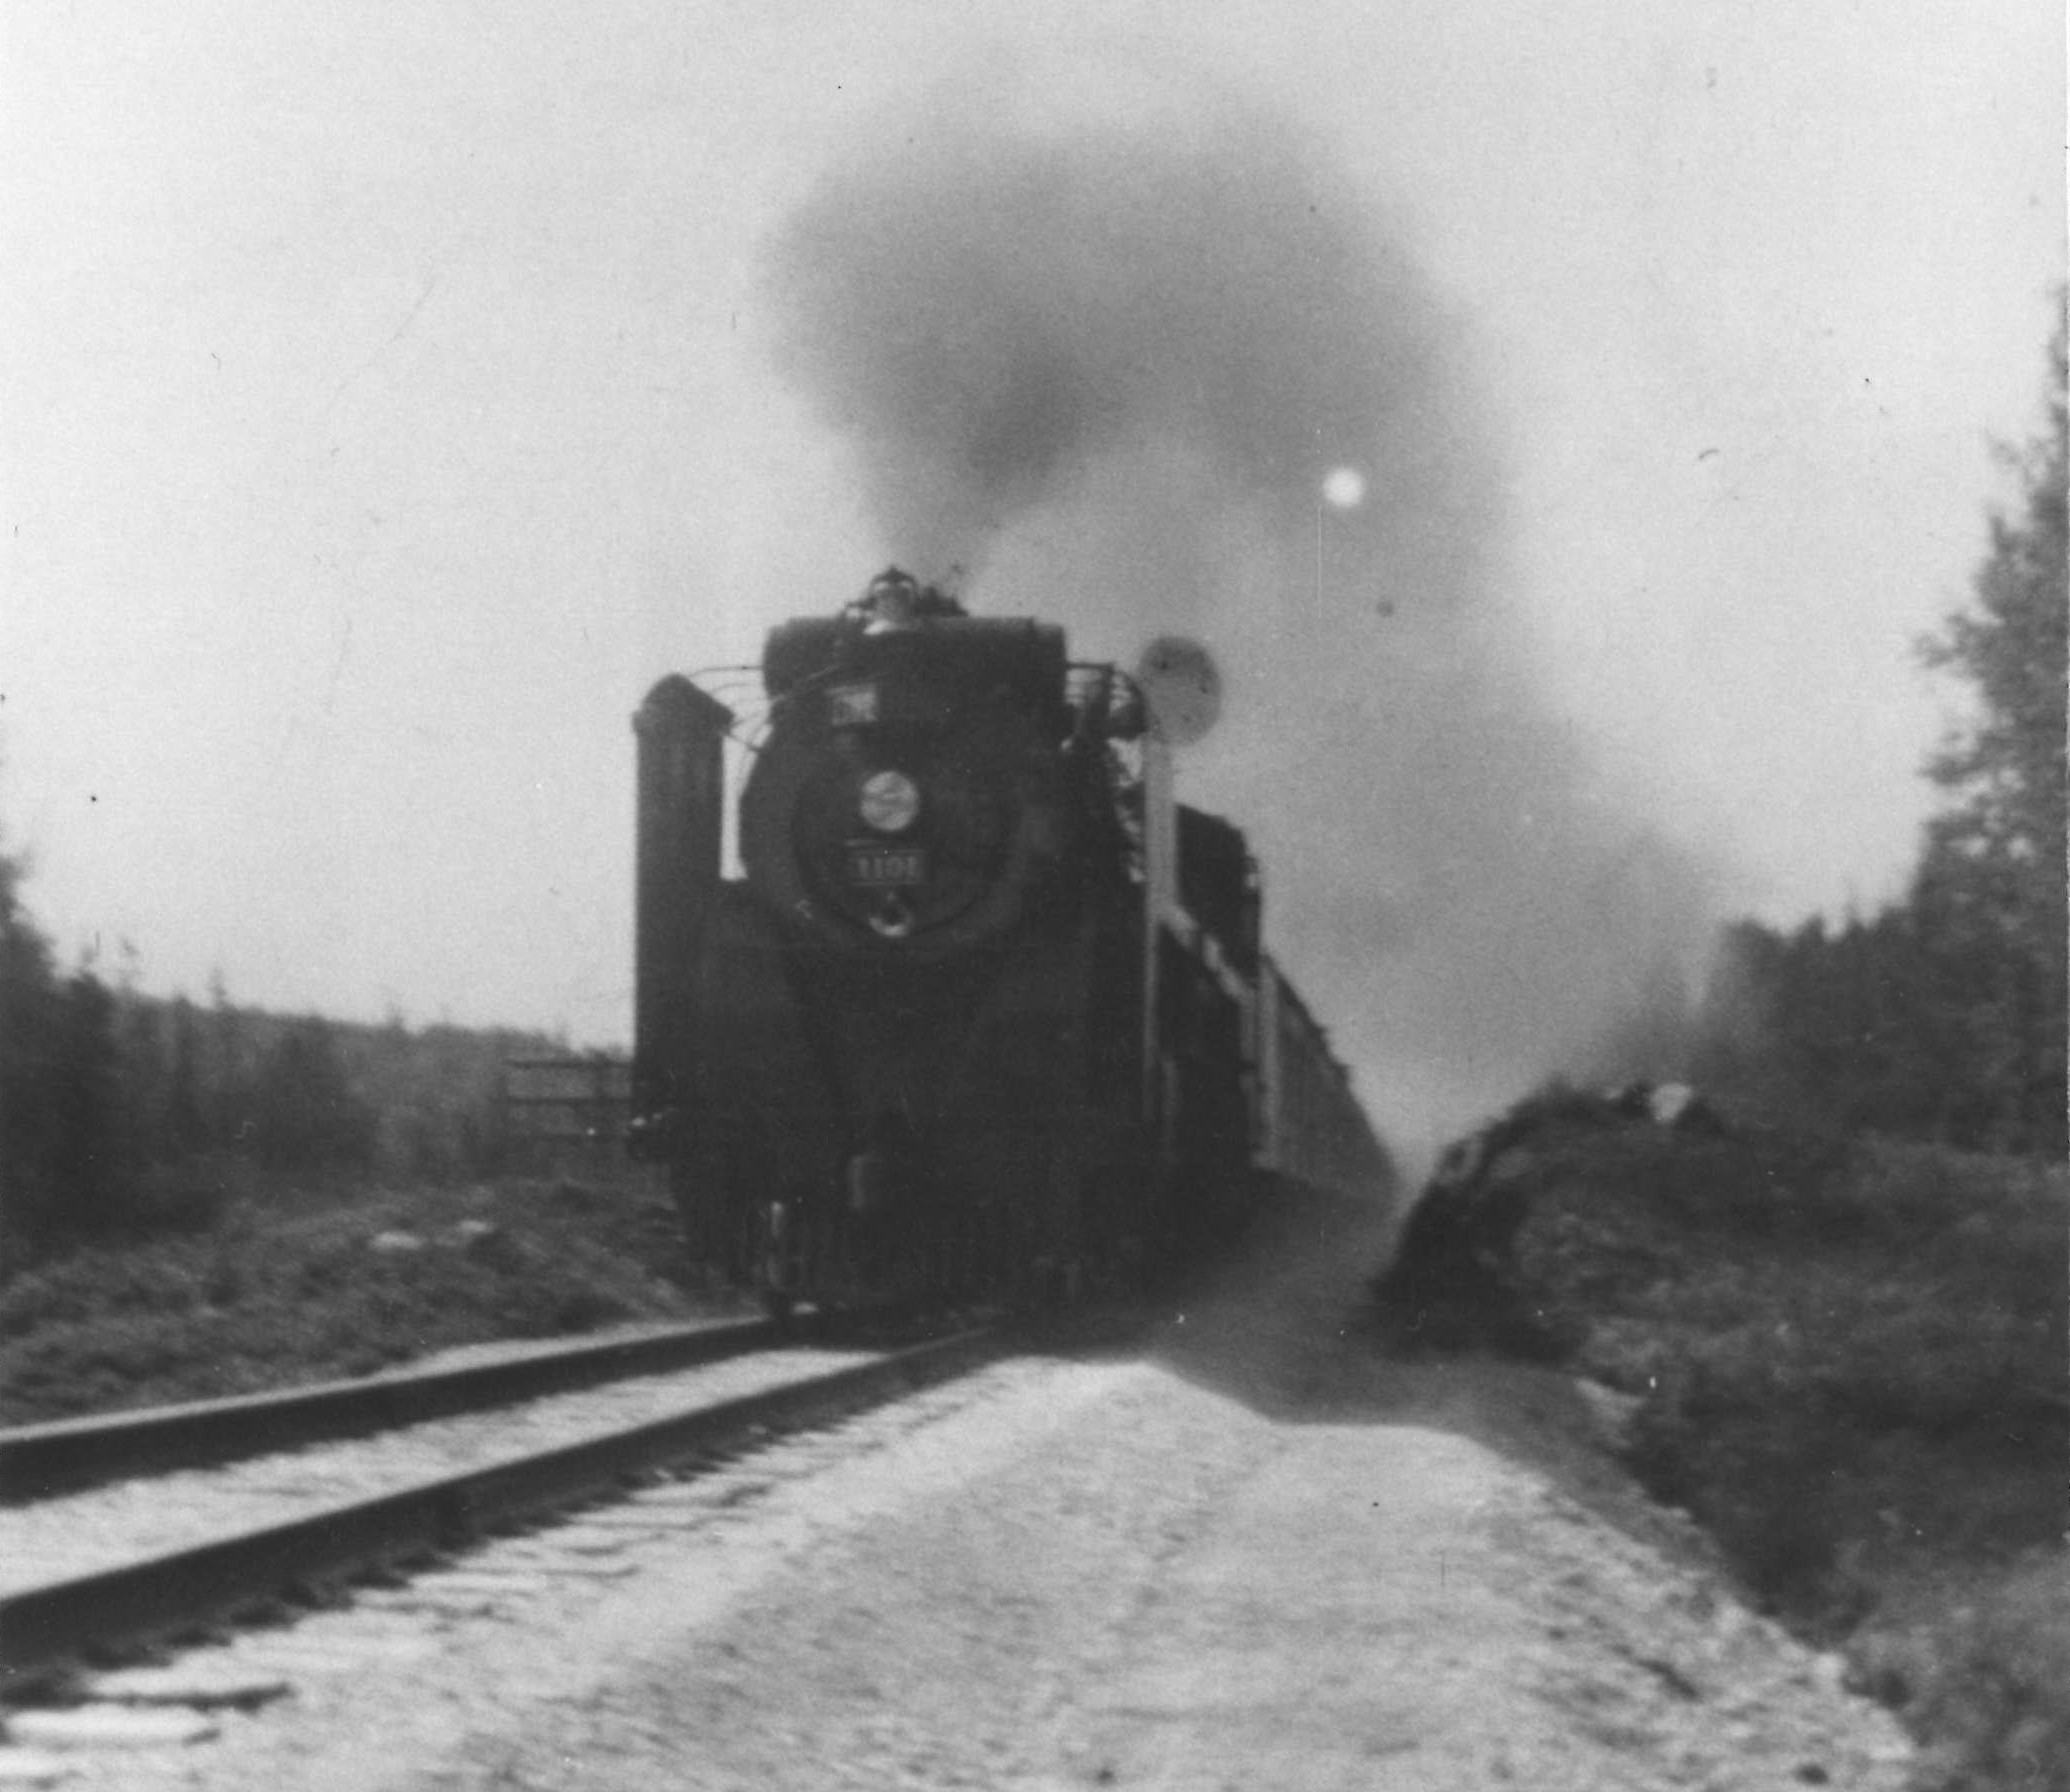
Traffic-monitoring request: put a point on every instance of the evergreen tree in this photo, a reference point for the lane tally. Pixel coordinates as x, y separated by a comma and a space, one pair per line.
305, 1113
1989, 897
90, 1162
2005, 767
228, 1087
31, 1011
146, 1072
186, 1121
64, 1164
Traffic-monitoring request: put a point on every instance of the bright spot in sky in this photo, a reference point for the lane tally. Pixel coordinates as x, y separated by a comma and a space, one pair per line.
1345, 488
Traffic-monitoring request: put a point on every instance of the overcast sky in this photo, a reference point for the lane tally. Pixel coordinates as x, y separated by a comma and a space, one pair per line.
388, 402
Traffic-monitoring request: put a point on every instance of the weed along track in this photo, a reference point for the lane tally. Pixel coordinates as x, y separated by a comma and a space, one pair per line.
161, 1561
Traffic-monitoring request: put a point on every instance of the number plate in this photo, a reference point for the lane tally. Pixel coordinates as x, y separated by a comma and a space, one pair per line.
852, 705
887, 867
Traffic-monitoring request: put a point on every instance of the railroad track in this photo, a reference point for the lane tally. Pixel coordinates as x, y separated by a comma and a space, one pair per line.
62, 1455
326, 1544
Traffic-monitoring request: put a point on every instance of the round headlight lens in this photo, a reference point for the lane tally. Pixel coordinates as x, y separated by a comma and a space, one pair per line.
890, 802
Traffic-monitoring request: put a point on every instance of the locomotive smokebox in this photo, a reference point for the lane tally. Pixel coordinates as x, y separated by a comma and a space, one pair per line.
681, 777
907, 801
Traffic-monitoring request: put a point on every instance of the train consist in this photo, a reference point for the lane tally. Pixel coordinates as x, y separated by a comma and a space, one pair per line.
986, 1013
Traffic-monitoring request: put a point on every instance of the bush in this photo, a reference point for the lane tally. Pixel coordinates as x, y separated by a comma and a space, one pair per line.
1978, 1665
1848, 1358
287, 1287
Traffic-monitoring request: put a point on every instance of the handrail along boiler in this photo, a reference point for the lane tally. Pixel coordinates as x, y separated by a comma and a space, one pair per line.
986, 1011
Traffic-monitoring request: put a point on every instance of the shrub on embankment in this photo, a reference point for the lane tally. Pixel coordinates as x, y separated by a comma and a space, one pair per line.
296, 1284
1844, 1357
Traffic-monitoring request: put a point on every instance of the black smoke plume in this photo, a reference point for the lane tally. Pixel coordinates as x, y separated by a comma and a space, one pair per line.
1098, 349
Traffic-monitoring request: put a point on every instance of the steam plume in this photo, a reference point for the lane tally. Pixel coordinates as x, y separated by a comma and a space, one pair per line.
1104, 360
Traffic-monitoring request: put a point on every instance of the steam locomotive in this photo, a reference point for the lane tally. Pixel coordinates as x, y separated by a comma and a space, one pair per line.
985, 1013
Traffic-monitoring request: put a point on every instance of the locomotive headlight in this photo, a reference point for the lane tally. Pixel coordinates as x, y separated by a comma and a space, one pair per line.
889, 802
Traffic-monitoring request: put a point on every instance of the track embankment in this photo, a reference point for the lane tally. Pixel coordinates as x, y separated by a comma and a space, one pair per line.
1238, 1548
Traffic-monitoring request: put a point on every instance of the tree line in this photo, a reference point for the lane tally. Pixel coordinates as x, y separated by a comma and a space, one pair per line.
122, 1111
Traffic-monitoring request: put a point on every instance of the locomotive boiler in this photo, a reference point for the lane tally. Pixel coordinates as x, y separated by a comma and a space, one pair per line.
982, 1012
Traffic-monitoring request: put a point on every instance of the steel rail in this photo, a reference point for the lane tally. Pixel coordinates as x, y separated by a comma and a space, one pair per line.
62, 1455
44, 1626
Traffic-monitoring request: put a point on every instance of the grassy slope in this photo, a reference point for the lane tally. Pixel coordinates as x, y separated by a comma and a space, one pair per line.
289, 1286
1847, 1360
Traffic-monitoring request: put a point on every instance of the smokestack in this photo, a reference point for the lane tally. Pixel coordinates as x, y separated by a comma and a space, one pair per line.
681, 736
